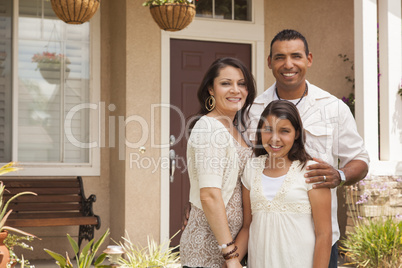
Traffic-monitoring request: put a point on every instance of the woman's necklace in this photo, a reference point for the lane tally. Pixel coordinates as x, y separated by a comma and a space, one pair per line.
304, 93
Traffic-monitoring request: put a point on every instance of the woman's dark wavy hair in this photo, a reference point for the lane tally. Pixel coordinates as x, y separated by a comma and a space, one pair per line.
208, 82
283, 109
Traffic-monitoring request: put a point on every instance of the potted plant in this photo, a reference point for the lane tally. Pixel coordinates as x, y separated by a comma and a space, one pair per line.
50, 66
75, 11
171, 15
4, 214
12, 242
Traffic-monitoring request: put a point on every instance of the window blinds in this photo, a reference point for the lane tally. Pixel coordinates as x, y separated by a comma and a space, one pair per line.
53, 75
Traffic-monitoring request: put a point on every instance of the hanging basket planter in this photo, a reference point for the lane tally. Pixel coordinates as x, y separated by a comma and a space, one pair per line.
75, 11
52, 73
173, 16
52, 66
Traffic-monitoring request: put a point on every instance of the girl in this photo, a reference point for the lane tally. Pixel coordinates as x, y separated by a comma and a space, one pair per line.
287, 223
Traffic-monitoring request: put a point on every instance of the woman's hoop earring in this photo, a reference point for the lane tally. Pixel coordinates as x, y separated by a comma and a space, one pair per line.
210, 103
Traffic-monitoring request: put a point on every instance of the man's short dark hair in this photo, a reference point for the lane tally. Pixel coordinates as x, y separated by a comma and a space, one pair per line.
287, 35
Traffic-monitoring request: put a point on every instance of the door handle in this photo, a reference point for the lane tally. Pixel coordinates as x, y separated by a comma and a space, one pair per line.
172, 140
172, 156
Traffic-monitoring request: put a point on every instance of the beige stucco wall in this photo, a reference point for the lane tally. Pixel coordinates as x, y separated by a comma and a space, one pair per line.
328, 28
131, 82
143, 78
114, 60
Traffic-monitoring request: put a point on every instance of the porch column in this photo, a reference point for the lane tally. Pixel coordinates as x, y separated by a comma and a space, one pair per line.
366, 106
390, 69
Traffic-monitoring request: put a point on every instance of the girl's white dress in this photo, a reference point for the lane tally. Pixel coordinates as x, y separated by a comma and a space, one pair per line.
282, 230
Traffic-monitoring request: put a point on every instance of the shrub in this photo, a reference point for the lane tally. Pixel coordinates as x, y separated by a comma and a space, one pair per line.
376, 239
153, 255
375, 243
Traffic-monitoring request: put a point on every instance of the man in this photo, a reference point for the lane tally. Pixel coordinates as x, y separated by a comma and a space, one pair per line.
331, 134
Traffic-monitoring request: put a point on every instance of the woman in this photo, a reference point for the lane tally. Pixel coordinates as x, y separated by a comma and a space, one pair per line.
216, 154
287, 223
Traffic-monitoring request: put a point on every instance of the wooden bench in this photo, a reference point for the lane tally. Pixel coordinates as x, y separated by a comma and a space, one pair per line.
60, 202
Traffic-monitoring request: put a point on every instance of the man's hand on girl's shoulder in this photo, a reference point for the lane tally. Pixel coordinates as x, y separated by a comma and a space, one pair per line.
323, 174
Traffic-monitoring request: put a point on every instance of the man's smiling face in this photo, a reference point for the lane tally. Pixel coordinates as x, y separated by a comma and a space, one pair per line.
289, 64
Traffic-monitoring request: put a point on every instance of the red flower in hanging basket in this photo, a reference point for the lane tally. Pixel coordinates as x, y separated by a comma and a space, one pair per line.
50, 58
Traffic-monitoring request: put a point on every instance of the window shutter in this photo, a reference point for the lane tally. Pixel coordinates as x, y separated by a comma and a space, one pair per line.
5, 81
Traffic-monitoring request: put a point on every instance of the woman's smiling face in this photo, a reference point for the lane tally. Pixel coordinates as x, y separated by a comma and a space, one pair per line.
229, 90
277, 136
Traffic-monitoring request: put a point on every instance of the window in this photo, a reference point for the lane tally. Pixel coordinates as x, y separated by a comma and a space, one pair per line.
224, 9
45, 73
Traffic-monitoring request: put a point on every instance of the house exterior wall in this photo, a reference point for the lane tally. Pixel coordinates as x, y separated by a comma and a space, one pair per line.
131, 84
328, 28
143, 90
114, 93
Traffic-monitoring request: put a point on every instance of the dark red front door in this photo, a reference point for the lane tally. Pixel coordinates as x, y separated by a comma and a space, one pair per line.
189, 60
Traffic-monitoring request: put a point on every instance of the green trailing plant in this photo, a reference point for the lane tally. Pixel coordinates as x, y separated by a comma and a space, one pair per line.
153, 255
14, 240
85, 258
350, 100
162, 2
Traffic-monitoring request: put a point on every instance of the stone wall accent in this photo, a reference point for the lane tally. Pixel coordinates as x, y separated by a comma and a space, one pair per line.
375, 196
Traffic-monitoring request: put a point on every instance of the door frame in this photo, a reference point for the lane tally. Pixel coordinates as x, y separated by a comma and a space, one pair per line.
215, 31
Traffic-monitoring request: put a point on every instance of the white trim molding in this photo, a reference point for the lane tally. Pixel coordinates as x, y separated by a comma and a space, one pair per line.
366, 91
384, 148
389, 16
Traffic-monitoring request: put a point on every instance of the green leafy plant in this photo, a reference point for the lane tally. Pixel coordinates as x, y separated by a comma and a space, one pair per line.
153, 255
10, 167
85, 258
375, 239
163, 2
350, 100
375, 243
14, 240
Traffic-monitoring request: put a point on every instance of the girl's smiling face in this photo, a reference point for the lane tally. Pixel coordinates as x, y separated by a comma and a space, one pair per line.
277, 136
